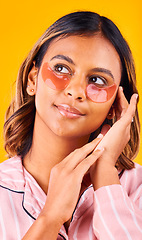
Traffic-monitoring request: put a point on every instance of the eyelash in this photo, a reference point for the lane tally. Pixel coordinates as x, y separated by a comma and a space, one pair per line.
98, 77
55, 68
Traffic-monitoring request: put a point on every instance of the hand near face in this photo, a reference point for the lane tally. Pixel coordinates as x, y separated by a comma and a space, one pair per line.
66, 181
114, 142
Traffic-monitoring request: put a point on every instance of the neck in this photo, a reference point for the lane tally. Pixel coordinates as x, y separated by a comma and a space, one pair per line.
47, 150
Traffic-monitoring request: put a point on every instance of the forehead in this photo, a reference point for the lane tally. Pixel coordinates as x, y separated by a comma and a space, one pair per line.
87, 52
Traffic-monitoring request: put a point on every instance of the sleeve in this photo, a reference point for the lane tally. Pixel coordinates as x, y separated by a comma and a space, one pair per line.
118, 210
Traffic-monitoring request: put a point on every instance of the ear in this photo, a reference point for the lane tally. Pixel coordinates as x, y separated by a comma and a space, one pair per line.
32, 80
111, 113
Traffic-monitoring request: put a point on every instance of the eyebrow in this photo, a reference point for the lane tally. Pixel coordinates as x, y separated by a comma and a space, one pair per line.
97, 69
66, 58
103, 70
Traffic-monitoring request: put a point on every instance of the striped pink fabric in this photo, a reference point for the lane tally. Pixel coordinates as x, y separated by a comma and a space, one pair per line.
110, 213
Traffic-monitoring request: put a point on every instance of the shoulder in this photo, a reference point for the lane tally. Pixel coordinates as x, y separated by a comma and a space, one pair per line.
11, 174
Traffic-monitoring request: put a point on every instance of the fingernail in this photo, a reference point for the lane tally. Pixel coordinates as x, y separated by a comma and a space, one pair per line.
100, 135
121, 88
136, 96
132, 120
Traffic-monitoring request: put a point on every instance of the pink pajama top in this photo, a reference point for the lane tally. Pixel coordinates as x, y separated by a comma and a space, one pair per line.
110, 213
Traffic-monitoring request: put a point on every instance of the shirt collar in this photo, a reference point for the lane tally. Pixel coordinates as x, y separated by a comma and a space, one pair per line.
14, 177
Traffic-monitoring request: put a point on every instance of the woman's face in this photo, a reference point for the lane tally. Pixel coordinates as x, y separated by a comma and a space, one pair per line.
78, 61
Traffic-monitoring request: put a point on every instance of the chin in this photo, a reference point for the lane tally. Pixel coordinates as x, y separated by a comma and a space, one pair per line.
71, 133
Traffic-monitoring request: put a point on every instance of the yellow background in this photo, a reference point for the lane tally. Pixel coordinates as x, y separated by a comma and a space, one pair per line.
23, 22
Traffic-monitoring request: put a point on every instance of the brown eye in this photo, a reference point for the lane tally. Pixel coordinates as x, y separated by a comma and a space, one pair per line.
61, 69
98, 81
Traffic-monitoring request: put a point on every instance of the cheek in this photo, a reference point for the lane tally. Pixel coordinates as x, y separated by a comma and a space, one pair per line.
43, 97
100, 110
99, 114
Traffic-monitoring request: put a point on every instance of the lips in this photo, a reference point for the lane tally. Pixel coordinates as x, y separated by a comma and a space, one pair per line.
69, 111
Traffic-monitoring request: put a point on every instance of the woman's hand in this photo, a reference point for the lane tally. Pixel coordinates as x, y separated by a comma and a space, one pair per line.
103, 172
66, 179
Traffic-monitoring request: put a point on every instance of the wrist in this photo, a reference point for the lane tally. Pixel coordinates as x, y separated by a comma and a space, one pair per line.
50, 221
43, 228
104, 174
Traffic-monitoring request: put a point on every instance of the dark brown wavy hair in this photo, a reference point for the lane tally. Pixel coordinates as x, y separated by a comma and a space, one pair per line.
18, 128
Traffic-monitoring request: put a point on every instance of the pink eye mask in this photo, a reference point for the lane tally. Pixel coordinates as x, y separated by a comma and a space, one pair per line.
60, 82
53, 80
100, 95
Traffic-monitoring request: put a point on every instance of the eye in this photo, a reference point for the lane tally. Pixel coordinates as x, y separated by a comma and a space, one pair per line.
61, 69
100, 82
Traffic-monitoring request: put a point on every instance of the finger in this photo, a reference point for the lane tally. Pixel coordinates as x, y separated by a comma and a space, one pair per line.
73, 159
122, 126
130, 113
121, 104
84, 166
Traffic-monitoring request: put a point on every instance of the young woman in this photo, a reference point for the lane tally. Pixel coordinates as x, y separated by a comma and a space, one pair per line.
72, 132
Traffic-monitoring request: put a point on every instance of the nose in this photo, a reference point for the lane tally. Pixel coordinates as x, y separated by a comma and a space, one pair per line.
76, 88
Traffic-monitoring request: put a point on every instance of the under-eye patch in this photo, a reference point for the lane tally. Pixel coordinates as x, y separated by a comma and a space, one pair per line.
53, 80
95, 93
99, 94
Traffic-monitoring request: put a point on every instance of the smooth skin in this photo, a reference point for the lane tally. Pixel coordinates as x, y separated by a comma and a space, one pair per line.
67, 161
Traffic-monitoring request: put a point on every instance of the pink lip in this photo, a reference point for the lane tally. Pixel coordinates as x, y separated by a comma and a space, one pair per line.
69, 111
